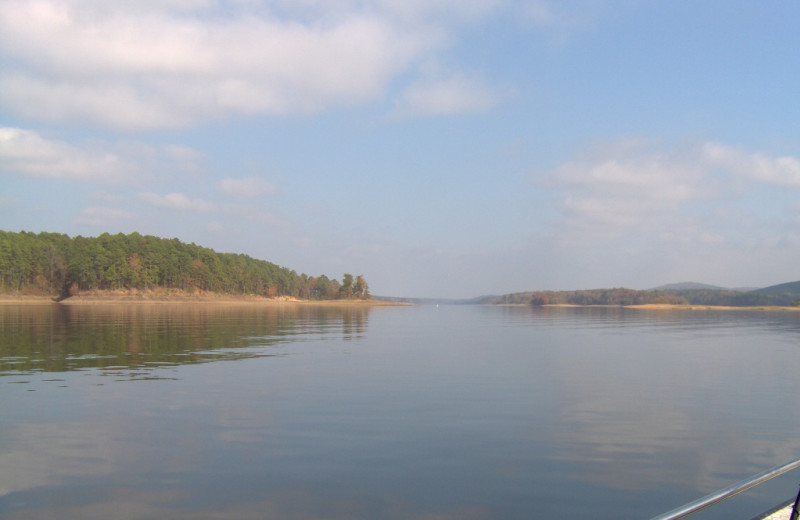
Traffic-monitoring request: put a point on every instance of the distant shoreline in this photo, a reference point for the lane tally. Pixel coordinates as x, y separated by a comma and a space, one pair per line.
179, 297
690, 307
173, 297
672, 306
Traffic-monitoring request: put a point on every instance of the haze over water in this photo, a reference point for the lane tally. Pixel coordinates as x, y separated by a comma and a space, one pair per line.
468, 412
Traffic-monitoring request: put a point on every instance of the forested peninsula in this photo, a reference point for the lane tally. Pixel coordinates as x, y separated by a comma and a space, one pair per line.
784, 295
61, 266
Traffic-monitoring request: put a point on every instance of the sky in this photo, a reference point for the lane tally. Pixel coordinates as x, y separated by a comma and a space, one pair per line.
439, 148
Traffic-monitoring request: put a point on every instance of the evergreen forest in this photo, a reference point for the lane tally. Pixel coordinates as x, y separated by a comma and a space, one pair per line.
60, 265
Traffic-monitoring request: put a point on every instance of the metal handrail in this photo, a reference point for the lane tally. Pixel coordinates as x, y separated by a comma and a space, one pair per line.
735, 489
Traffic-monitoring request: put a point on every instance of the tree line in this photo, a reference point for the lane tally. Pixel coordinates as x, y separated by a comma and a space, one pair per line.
615, 296
57, 264
624, 296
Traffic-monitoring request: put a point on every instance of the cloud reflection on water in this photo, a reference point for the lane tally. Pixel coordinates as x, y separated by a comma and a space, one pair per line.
432, 414
634, 400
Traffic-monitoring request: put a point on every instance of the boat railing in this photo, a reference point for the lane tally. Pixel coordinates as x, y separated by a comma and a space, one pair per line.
734, 489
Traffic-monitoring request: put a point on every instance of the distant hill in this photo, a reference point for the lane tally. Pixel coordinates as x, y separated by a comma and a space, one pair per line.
686, 293
613, 296
687, 286
790, 290
784, 294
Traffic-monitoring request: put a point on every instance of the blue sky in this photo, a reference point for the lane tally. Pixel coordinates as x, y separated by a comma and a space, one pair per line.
440, 148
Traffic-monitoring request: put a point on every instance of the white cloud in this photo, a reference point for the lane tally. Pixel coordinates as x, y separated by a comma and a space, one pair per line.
247, 188
177, 201
26, 153
228, 216
258, 217
755, 166
561, 19
107, 102
655, 178
147, 65
627, 184
455, 95
214, 227
632, 190
29, 154
102, 216
463, 10
185, 158
607, 211
405, 11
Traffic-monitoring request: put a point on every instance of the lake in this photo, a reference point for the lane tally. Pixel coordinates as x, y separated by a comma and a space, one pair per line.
453, 412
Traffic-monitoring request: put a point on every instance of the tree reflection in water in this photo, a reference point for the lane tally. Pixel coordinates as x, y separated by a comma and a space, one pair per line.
132, 340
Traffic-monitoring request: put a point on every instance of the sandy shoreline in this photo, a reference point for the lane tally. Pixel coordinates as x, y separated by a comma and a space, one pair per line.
671, 307
116, 299
25, 300
770, 308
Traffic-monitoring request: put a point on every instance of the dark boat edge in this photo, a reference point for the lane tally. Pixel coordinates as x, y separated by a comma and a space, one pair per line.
777, 509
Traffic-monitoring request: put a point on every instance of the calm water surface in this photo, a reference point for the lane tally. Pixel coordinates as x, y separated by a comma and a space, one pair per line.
456, 412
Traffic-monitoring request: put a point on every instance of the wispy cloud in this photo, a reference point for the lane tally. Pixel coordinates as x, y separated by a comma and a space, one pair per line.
560, 20
633, 187
757, 167
626, 185
215, 227
102, 216
26, 153
453, 95
177, 201
185, 158
257, 216
247, 188
171, 64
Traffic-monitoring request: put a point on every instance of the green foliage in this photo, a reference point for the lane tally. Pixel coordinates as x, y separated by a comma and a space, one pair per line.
730, 298
346, 290
784, 289
623, 296
361, 288
353, 289
616, 296
51, 263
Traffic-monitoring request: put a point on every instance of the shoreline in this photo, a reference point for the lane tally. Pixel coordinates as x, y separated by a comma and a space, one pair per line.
659, 307
158, 298
689, 307
126, 298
